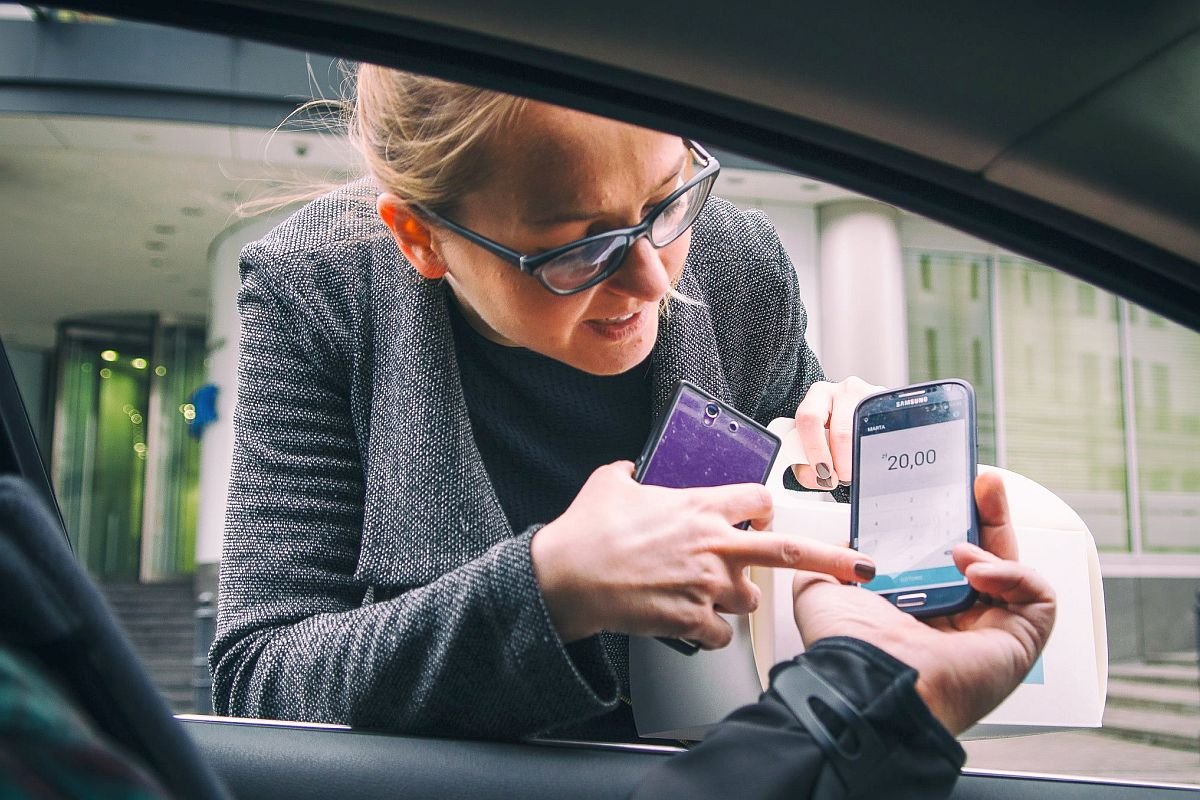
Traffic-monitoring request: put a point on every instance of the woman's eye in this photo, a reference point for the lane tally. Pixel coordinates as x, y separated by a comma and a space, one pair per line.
675, 210
653, 204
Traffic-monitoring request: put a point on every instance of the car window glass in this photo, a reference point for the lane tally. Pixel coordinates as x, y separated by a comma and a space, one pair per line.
121, 230
121, 226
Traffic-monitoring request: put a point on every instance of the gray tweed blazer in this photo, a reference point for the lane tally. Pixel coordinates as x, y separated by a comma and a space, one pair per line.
369, 575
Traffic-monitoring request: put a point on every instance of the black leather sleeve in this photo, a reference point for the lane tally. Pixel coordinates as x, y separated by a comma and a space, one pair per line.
764, 751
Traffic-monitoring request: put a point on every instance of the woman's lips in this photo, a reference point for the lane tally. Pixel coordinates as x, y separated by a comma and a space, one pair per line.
617, 327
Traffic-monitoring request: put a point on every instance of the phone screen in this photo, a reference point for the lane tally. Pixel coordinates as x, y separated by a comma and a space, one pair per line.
914, 475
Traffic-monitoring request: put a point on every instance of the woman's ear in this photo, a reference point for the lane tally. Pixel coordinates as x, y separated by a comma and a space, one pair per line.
413, 236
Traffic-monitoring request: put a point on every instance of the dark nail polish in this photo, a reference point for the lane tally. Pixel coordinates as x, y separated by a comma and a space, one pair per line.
864, 571
823, 471
824, 483
843, 483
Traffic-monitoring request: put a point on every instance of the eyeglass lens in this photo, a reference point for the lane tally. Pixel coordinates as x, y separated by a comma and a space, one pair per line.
677, 217
576, 267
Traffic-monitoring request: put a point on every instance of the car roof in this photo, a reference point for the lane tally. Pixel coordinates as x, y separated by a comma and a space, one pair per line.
1076, 103
1067, 131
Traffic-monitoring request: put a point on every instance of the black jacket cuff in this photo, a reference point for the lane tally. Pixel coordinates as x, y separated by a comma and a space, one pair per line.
763, 751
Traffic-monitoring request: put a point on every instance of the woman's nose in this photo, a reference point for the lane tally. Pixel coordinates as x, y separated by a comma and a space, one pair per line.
643, 275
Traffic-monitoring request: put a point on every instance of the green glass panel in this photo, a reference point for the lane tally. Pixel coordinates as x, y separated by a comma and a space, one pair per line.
1166, 384
178, 370
99, 459
1062, 402
126, 469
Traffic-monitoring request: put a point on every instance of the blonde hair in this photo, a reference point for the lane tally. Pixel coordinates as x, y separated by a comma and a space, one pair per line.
421, 138
425, 139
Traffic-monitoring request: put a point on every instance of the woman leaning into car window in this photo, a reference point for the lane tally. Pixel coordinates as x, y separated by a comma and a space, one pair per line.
447, 368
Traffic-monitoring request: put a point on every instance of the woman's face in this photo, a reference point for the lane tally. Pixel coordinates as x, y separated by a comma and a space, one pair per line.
560, 176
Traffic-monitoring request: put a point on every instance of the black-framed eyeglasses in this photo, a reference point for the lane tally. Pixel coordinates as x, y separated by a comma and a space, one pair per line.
581, 264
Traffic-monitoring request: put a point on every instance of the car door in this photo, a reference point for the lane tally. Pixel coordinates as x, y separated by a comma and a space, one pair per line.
282, 759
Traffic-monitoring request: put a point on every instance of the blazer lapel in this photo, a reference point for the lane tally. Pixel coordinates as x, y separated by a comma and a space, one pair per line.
430, 506
687, 347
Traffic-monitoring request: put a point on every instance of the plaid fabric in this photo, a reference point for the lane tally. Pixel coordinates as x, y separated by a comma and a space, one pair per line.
369, 575
48, 749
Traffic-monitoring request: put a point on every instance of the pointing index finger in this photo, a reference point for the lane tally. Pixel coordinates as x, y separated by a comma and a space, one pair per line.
794, 551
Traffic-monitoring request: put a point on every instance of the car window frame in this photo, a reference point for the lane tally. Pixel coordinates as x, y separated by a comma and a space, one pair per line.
930, 198
1125, 265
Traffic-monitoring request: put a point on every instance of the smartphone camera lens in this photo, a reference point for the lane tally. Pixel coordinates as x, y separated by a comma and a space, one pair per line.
711, 410
733, 426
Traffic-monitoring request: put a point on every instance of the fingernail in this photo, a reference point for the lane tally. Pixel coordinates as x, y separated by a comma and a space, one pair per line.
843, 483
864, 570
824, 483
823, 471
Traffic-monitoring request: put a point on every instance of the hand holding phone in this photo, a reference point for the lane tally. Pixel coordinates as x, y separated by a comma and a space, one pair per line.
643, 559
967, 666
702, 441
912, 499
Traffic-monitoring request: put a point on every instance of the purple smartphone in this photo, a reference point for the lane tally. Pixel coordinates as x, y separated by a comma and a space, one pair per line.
700, 441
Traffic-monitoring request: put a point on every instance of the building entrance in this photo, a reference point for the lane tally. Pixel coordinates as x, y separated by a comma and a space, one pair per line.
125, 466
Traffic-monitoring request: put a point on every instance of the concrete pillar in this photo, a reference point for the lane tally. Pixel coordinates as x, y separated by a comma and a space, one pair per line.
864, 328
216, 446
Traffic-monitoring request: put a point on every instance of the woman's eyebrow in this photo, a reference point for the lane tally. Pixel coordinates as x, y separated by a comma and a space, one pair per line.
568, 215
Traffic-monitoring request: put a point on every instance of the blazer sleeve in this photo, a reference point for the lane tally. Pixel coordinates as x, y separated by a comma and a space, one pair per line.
472, 653
763, 751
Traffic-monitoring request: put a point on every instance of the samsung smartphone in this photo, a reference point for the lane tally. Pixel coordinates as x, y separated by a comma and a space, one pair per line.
699, 440
913, 496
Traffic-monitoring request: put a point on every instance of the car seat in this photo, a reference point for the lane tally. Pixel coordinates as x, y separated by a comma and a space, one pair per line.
52, 612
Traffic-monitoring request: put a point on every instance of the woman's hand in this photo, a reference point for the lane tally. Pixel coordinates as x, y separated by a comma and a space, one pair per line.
662, 562
968, 662
825, 422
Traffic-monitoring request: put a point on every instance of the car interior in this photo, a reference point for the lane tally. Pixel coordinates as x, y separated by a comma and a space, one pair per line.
1066, 135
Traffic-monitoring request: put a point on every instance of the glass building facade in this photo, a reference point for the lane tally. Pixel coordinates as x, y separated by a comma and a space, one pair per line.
1091, 396
124, 465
